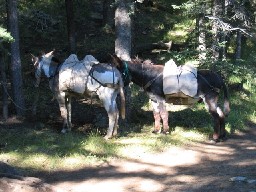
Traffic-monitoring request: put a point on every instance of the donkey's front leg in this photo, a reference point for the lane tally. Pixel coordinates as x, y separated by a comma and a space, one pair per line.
68, 107
164, 116
157, 117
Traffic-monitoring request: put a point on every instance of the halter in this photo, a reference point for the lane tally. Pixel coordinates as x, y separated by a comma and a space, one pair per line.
127, 77
50, 71
125, 74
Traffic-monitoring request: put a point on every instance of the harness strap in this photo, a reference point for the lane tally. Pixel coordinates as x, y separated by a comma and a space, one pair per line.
110, 85
151, 81
57, 70
180, 72
215, 89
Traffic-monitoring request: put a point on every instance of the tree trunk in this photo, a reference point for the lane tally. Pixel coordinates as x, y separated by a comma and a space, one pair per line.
223, 46
123, 29
4, 88
160, 45
16, 71
238, 45
217, 12
108, 13
70, 25
201, 38
123, 42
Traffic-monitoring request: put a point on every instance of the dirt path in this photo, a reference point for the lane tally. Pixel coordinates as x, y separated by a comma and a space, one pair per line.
201, 167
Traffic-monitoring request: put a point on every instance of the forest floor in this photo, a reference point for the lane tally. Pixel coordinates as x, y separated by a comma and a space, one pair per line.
226, 166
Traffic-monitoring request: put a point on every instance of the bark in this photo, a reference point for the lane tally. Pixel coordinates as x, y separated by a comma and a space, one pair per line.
16, 70
108, 13
4, 88
123, 42
70, 25
123, 30
223, 46
238, 45
217, 12
201, 38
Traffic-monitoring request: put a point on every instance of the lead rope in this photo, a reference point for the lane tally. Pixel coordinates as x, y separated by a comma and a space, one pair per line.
141, 88
6, 91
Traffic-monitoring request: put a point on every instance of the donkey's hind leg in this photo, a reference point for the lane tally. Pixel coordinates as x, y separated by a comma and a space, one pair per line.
109, 101
61, 98
112, 123
211, 106
222, 124
116, 123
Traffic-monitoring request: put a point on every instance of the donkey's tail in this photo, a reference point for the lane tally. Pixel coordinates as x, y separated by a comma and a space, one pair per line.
121, 90
226, 100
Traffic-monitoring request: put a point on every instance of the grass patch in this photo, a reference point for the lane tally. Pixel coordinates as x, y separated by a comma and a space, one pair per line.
180, 32
46, 150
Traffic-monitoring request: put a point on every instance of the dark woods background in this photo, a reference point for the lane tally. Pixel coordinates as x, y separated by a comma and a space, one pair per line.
215, 34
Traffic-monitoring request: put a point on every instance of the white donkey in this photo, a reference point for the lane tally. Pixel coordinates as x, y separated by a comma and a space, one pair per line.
85, 77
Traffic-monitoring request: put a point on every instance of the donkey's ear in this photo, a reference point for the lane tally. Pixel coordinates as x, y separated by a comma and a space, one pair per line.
112, 56
114, 59
50, 53
33, 58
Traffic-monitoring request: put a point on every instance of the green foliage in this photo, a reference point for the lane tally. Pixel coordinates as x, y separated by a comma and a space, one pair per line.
5, 36
194, 8
42, 148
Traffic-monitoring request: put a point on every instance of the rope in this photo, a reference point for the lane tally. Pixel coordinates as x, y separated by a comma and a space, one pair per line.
6, 91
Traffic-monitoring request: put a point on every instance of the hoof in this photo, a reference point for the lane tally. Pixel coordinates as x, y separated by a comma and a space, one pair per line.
115, 133
223, 139
165, 132
63, 131
214, 138
107, 137
214, 141
156, 131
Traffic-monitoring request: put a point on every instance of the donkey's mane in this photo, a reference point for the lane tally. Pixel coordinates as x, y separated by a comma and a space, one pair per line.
139, 60
146, 68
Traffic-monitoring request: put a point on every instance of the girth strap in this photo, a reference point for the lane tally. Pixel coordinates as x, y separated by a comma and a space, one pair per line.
110, 85
151, 81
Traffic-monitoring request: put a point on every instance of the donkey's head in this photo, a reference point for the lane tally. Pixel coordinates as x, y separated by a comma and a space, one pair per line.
122, 66
118, 63
39, 63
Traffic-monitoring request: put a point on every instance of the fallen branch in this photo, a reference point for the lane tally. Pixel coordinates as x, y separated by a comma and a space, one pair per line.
160, 45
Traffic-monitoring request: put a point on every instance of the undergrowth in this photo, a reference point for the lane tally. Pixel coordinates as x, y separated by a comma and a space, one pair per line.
45, 149
42, 148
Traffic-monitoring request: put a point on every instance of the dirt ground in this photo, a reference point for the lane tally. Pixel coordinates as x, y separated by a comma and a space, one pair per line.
227, 166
